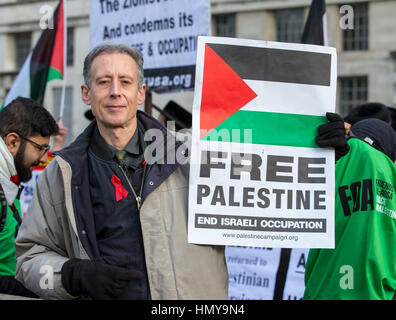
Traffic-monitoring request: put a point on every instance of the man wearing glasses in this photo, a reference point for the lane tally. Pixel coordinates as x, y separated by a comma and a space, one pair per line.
25, 129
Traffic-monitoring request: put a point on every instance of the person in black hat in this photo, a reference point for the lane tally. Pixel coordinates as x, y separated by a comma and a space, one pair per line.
369, 110
361, 266
378, 134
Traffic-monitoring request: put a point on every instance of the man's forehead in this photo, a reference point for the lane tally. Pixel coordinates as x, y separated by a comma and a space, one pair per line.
39, 139
116, 61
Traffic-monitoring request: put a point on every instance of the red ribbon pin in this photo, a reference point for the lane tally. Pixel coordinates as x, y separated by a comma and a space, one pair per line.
120, 191
15, 179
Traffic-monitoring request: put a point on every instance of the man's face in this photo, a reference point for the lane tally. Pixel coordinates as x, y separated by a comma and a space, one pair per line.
114, 95
28, 156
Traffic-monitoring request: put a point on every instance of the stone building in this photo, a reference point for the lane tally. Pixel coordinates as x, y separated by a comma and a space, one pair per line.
366, 53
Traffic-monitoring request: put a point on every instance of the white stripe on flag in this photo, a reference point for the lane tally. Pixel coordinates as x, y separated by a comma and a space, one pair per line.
21, 85
300, 98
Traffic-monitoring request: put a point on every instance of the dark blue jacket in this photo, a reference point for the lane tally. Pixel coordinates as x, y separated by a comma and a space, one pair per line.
76, 154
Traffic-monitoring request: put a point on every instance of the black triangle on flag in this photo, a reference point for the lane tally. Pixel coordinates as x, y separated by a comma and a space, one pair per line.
315, 31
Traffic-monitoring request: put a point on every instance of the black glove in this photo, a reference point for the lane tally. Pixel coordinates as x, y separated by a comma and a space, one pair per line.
332, 134
10, 285
102, 278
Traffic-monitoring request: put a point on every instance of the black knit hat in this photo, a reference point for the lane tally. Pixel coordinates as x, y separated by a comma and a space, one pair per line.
392, 112
369, 110
378, 134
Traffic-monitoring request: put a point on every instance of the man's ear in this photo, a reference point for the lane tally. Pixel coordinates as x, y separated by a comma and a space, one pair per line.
141, 94
85, 96
12, 141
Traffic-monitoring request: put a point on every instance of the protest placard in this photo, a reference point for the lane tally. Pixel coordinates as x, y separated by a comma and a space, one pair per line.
257, 273
164, 31
257, 176
26, 195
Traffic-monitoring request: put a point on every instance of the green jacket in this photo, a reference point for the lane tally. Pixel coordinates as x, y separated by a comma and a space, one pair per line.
8, 223
363, 263
7, 242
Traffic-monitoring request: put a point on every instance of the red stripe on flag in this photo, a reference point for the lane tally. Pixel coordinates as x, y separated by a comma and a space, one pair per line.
223, 92
57, 55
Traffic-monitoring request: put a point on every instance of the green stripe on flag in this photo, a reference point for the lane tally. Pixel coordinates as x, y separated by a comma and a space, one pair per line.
270, 128
53, 74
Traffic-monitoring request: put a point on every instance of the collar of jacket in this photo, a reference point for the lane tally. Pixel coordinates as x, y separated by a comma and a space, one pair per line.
106, 152
76, 152
7, 170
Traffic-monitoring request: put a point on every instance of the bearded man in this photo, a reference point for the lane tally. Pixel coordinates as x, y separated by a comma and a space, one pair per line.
25, 129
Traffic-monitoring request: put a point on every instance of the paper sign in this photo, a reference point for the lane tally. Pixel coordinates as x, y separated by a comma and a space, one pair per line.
164, 31
257, 176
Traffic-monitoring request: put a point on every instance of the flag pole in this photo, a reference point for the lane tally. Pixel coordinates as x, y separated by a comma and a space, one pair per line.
64, 59
148, 103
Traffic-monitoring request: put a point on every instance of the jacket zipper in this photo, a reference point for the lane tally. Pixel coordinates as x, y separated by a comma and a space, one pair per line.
137, 197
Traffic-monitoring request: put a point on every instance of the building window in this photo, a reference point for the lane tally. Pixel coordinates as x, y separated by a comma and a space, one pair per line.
357, 38
353, 91
289, 25
67, 118
70, 46
225, 25
23, 42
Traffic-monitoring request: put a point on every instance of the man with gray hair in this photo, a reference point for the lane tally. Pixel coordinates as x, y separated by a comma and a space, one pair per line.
107, 221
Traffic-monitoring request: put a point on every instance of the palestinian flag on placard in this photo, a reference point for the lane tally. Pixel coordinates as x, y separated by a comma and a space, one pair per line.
44, 63
244, 87
315, 31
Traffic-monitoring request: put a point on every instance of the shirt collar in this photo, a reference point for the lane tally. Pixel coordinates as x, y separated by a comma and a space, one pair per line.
134, 147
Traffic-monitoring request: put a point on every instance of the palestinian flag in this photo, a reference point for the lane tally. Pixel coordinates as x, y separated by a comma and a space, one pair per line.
280, 94
44, 63
315, 31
